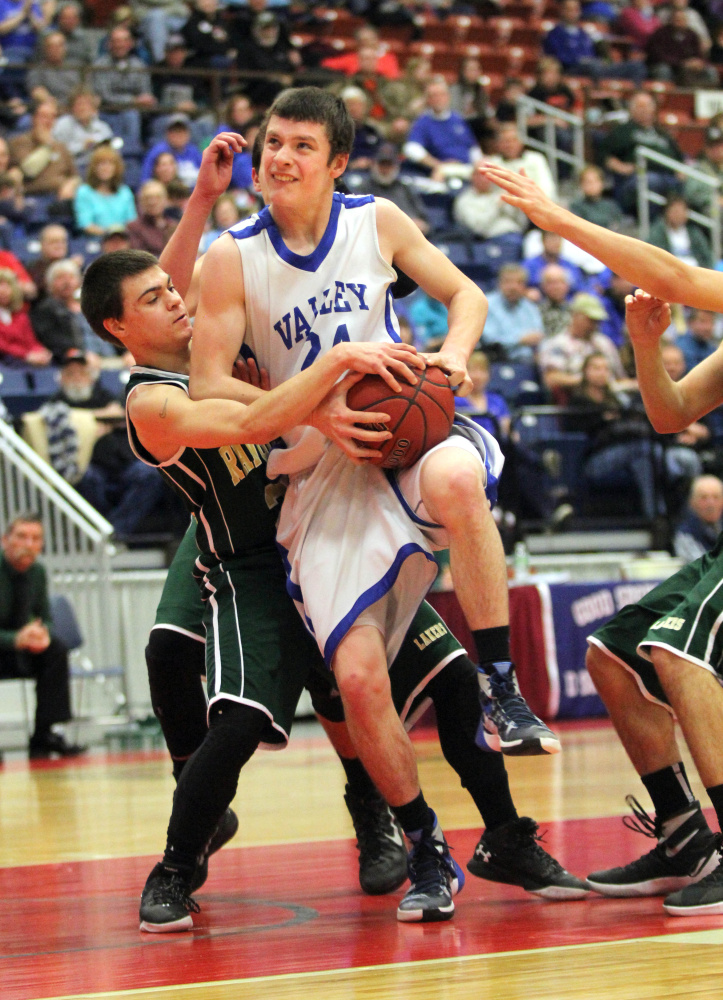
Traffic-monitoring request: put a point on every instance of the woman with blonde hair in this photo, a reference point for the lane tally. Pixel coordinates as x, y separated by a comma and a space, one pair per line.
18, 343
104, 200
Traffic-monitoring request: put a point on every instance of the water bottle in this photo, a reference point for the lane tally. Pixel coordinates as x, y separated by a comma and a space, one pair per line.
521, 561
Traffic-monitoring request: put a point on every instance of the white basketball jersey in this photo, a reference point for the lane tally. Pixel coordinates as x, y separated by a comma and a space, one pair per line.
298, 307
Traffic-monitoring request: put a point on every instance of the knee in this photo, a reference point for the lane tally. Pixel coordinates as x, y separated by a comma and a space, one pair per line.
363, 686
455, 491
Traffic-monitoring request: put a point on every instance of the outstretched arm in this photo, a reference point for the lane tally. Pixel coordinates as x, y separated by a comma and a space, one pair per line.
656, 270
179, 256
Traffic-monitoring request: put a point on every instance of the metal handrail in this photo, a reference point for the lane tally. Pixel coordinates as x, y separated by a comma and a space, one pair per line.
646, 196
527, 106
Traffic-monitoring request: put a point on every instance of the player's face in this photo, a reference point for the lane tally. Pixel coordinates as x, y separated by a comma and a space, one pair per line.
154, 313
295, 168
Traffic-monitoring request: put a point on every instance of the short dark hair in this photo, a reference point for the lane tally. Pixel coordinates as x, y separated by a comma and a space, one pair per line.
101, 295
312, 104
25, 517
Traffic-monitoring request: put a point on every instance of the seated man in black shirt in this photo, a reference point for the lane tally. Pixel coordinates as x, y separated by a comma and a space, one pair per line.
27, 645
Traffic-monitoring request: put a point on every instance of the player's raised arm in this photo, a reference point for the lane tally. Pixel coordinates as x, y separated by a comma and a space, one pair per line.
402, 243
655, 270
179, 255
671, 406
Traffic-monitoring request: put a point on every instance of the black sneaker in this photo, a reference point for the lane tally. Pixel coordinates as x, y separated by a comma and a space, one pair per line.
436, 878
508, 724
700, 899
380, 842
512, 854
166, 902
687, 851
226, 829
53, 745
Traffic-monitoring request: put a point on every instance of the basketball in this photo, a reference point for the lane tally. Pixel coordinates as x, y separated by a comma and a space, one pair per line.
420, 415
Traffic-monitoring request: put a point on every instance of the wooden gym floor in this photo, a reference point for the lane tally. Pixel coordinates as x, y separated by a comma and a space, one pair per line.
282, 913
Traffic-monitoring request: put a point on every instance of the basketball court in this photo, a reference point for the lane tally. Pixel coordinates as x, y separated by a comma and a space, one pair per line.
282, 914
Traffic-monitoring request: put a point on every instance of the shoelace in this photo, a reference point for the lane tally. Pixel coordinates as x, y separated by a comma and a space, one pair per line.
515, 707
173, 890
372, 824
427, 870
527, 837
641, 821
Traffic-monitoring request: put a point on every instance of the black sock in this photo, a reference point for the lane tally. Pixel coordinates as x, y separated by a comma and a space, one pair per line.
715, 794
492, 644
669, 789
209, 780
357, 778
415, 816
454, 692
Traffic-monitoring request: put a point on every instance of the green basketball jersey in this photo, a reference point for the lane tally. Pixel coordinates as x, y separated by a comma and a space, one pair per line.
236, 506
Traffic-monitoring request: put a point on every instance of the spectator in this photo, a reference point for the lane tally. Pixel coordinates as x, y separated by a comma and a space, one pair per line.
82, 129
569, 43
53, 247
675, 234
552, 254
238, 115
120, 487
57, 320
479, 208
468, 97
54, 76
618, 151
506, 110
367, 136
46, 164
79, 43
152, 229
21, 22
700, 527
178, 143
512, 154
224, 215
638, 21
696, 193
562, 357
384, 62
268, 50
177, 91
622, 450
693, 19
405, 99
593, 206
25, 281
440, 139
18, 343
104, 200
123, 83
675, 53
488, 409
385, 181
554, 306
165, 169
27, 645
207, 38
429, 321
612, 291
698, 342
550, 88
157, 20
514, 324
115, 238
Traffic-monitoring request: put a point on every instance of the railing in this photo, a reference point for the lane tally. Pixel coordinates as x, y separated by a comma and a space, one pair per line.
526, 108
643, 155
77, 543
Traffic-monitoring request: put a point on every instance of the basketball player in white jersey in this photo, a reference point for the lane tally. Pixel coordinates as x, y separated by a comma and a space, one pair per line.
313, 269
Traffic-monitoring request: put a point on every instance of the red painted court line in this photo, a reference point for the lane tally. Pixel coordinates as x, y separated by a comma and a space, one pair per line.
73, 928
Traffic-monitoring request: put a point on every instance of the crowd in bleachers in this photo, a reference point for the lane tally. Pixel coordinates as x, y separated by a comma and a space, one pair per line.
105, 109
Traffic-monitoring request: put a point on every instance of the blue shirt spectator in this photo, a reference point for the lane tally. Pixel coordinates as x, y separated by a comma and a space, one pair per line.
19, 43
551, 254
440, 135
698, 342
568, 42
513, 323
178, 144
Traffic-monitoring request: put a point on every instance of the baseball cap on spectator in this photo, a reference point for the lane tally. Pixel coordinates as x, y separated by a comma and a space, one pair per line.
387, 153
589, 305
74, 354
117, 230
179, 120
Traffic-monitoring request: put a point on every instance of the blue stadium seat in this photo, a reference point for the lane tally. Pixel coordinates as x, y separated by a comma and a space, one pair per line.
514, 381
457, 251
44, 381
114, 380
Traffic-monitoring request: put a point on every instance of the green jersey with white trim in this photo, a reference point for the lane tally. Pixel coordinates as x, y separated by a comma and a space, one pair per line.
235, 504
